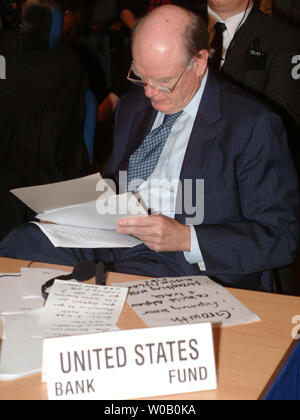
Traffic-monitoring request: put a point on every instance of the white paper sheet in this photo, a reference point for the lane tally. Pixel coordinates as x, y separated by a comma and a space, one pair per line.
89, 204
21, 329
61, 194
103, 214
75, 237
21, 351
186, 300
32, 279
76, 308
2, 328
12, 298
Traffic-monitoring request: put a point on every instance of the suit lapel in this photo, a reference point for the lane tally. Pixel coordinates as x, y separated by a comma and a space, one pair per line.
235, 62
142, 123
205, 131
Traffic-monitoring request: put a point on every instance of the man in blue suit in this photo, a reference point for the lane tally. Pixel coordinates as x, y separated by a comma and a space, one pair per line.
249, 223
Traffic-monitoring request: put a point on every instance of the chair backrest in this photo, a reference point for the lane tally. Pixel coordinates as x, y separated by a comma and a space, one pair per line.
287, 385
90, 99
56, 30
90, 122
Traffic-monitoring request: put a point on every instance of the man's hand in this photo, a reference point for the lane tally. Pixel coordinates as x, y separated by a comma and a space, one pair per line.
159, 233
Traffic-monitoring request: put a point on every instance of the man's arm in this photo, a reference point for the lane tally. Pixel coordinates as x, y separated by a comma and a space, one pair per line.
127, 16
267, 238
283, 84
268, 190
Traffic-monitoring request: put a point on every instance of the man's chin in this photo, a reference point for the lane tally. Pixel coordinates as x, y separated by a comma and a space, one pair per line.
162, 106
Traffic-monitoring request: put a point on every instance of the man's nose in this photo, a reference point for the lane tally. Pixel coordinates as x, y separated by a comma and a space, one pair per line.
150, 91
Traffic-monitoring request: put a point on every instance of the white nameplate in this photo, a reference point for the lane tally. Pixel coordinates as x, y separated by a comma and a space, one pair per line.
131, 364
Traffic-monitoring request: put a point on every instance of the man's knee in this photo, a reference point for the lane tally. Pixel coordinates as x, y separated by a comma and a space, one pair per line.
20, 234
28, 242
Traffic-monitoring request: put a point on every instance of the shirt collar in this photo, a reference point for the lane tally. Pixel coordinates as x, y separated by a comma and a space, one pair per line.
232, 23
192, 108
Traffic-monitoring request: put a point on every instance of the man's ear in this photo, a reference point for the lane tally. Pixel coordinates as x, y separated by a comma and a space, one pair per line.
201, 62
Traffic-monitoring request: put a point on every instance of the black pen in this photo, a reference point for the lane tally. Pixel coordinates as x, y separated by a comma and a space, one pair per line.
140, 200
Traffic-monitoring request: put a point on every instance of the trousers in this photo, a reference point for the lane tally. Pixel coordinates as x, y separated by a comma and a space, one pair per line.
28, 242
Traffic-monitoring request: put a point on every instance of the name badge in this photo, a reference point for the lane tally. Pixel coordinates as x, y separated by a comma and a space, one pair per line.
130, 364
256, 57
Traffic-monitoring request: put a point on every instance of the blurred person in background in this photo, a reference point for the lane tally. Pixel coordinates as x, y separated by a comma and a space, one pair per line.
42, 102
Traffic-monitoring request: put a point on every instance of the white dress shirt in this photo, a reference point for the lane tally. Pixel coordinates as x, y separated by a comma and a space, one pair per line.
233, 23
159, 192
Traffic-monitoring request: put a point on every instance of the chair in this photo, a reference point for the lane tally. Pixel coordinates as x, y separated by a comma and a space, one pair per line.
56, 30
90, 122
287, 385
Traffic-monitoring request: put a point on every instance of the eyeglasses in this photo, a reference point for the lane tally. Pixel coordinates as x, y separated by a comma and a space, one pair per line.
133, 78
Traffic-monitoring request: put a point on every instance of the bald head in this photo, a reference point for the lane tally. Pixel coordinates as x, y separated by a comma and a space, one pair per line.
169, 49
162, 32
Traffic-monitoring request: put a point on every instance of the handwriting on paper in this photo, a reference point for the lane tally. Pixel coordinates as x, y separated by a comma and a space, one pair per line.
76, 308
186, 300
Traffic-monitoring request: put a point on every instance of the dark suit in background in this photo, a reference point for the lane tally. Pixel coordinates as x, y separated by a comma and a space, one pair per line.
42, 103
260, 61
288, 10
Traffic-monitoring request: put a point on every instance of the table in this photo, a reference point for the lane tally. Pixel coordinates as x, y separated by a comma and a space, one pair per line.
247, 356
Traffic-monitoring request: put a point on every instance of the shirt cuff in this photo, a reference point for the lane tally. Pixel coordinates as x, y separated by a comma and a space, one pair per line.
194, 256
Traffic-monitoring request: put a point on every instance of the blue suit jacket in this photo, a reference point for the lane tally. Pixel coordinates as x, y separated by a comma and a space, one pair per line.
239, 148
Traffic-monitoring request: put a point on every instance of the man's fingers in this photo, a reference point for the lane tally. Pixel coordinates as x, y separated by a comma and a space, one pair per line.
134, 221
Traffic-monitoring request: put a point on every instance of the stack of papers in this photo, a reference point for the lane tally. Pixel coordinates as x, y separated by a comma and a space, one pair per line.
21, 303
21, 351
21, 292
83, 213
76, 237
72, 308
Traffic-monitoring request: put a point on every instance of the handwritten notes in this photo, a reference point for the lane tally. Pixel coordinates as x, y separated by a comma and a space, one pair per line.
76, 308
186, 300
71, 309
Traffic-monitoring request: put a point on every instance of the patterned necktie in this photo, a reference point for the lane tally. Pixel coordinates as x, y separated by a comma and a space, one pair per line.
144, 160
217, 45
